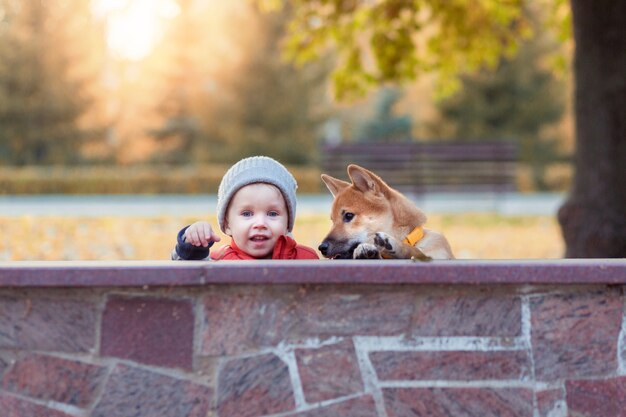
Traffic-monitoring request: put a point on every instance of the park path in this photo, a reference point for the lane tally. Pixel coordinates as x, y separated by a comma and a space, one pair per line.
193, 205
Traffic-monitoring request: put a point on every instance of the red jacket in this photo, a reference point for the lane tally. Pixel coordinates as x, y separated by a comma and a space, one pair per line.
285, 248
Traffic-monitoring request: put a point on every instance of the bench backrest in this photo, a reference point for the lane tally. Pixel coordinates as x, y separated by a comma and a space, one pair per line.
421, 167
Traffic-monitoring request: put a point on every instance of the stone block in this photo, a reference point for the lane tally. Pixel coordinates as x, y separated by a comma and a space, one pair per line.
154, 331
452, 366
329, 372
575, 335
335, 311
11, 406
597, 398
466, 314
49, 378
243, 320
47, 324
458, 402
133, 392
254, 386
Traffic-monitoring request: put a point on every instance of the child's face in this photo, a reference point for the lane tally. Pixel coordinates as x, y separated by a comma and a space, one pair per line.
257, 216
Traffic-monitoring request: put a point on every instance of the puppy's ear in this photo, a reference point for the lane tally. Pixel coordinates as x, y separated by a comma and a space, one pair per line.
365, 180
334, 185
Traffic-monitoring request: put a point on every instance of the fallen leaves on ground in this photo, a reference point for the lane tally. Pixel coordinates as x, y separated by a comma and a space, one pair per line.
472, 236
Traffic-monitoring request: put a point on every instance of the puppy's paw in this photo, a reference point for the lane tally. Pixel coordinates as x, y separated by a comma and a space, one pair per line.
366, 251
387, 245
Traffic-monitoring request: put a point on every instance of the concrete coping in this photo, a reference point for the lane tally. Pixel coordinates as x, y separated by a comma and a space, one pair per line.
77, 274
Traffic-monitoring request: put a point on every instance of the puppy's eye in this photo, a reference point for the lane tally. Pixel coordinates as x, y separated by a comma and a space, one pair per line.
347, 217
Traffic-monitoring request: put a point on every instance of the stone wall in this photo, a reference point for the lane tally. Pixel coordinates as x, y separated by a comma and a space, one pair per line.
313, 339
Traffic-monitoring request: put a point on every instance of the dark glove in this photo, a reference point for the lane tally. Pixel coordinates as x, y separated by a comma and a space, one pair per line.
187, 251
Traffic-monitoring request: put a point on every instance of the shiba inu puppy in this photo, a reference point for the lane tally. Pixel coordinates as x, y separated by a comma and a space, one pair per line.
371, 220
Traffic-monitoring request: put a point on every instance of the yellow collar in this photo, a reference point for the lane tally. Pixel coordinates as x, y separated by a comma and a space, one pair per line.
415, 236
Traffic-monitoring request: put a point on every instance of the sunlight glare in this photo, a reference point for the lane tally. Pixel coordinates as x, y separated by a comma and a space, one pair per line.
133, 27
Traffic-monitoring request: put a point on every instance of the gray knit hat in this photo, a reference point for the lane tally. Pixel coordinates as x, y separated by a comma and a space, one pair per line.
252, 170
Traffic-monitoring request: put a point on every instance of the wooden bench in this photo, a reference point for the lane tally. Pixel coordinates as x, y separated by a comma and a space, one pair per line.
424, 167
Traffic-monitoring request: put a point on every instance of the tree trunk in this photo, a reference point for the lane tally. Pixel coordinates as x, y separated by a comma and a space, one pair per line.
593, 219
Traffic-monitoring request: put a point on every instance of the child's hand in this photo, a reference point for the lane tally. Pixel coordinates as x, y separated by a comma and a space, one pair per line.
201, 234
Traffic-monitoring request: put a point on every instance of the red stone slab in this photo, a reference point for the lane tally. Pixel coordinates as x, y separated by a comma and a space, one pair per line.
11, 406
337, 311
253, 387
49, 378
184, 273
245, 319
242, 319
458, 402
574, 335
600, 398
150, 330
39, 322
452, 366
134, 392
329, 372
463, 314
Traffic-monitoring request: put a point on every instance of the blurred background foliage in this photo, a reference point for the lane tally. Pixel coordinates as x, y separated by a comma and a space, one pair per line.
209, 83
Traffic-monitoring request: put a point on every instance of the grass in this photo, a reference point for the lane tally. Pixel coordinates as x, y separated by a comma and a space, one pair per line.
472, 236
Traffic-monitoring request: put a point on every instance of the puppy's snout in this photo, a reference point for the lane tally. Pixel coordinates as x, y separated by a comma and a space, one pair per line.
323, 247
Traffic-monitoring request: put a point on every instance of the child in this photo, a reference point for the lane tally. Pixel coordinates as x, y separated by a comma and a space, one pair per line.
256, 207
